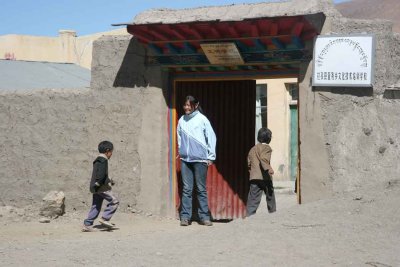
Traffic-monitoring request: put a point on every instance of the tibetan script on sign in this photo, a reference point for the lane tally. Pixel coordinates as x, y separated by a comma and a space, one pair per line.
222, 54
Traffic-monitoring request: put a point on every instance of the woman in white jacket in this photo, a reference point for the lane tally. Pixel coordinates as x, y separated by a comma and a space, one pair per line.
196, 144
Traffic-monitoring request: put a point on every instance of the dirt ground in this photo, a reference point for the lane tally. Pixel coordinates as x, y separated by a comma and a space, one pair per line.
358, 229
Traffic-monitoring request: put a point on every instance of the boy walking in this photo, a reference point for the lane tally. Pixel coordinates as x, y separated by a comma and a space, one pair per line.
261, 172
100, 187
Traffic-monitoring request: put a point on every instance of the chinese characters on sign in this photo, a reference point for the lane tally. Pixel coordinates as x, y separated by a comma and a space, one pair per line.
222, 54
343, 61
342, 76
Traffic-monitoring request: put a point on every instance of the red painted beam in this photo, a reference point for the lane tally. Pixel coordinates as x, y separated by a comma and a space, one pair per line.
207, 29
171, 30
297, 29
274, 29
156, 33
178, 34
263, 26
244, 28
215, 33
223, 29
254, 30
232, 30
140, 34
190, 30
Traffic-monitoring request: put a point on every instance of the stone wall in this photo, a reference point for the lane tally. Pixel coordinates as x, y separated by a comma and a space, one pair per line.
119, 66
359, 125
49, 138
44, 143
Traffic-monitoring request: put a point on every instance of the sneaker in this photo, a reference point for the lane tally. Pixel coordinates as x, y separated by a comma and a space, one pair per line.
184, 222
87, 228
106, 223
206, 223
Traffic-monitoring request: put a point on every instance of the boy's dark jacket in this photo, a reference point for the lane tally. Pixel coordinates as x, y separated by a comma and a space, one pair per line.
100, 181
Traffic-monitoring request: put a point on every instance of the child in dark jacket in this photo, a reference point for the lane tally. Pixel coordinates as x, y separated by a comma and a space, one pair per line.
261, 172
100, 187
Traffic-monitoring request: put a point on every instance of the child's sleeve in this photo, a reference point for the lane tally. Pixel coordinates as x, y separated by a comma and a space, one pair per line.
100, 172
265, 158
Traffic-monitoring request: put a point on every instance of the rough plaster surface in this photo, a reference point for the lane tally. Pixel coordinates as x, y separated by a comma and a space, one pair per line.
314, 164
360, 125
363, 141
120, 62
50, 139
119, 65
44, 145
236, 12
153, 144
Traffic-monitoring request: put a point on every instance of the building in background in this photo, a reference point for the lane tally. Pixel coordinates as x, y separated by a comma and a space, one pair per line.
65, 48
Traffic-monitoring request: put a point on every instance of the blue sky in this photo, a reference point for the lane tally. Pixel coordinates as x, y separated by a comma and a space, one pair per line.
46, 17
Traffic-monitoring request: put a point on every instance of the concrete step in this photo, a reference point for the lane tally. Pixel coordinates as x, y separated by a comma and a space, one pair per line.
284, 187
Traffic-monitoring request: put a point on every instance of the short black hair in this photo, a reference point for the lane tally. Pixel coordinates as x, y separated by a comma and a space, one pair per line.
105, 146
264, 135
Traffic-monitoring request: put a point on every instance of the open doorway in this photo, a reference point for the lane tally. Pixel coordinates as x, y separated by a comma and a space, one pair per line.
236, 110
276, 109
293, 90
229, 105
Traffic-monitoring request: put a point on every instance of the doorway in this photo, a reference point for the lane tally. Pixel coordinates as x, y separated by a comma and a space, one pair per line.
229, 105
293, 90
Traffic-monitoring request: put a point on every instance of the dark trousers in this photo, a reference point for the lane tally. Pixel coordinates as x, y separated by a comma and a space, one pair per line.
257, 187
97, 201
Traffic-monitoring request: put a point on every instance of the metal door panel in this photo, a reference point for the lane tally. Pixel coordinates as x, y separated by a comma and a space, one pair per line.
230, 107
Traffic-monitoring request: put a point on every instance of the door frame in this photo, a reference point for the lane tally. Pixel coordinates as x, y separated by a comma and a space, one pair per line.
172, 124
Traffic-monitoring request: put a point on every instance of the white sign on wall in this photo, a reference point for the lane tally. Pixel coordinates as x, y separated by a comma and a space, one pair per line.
344, 60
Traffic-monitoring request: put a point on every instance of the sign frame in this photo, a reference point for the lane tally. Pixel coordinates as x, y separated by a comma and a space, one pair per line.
226, 54
349, 36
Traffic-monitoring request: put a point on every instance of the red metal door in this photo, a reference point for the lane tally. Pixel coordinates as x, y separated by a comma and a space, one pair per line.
230, 107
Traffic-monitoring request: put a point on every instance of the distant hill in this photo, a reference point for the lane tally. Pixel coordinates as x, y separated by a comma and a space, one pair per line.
372, 9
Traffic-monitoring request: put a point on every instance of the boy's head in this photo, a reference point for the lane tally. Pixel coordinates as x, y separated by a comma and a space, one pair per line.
264, 135
106, 147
